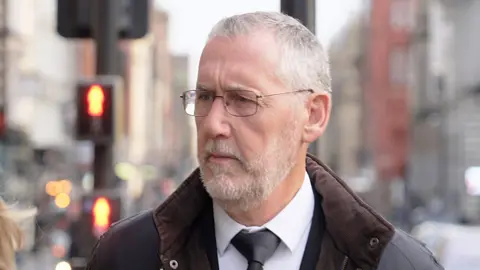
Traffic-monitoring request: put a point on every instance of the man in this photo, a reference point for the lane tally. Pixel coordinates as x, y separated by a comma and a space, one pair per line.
258, 201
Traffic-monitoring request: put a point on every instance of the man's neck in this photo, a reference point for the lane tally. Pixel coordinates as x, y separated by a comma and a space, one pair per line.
279, 199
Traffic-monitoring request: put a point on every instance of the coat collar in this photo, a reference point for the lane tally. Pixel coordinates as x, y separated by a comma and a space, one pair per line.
357, 231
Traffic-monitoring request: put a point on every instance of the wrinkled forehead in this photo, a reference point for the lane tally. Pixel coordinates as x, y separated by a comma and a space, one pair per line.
252, 55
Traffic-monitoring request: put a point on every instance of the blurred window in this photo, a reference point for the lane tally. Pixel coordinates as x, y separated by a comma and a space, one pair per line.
398, 66
401, 14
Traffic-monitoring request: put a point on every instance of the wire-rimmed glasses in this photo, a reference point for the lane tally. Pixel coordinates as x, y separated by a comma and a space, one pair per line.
240, 103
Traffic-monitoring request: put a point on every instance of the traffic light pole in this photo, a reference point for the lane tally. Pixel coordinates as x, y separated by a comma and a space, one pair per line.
304, 11
105, 22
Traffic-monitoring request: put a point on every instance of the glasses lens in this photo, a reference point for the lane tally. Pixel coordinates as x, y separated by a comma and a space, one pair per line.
197, 102
241, 102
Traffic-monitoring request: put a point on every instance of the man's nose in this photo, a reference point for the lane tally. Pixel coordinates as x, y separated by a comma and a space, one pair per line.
215, 124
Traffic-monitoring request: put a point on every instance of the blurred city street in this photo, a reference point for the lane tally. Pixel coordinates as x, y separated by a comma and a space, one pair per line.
87, 138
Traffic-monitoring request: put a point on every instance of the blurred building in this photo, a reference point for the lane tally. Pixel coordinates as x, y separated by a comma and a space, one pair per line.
150, 134
161, 70
150, 93
184, 129
343, 146
175, 152
463, 124
416, 64
387, 98
428, 168
368, 138
447, 118
41, 72
37, 84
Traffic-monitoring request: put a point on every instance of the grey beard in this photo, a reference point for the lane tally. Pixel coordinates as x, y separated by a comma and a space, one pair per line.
264, 176
254, 193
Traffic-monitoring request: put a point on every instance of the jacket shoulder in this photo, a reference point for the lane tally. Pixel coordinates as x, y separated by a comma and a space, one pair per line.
132, 243
407, 253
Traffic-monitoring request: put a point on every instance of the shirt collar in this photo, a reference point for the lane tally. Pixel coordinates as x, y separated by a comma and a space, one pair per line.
225, 228
289, 225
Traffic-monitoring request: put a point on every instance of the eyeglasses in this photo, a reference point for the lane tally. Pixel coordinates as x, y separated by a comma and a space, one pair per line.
240, 103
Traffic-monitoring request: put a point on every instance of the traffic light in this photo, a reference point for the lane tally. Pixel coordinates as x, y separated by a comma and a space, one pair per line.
101, 215
95, 101
102, 211
96, 110
74, 18
98, 213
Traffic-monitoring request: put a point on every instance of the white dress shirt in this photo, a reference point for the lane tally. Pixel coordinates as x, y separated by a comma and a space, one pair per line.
291, 225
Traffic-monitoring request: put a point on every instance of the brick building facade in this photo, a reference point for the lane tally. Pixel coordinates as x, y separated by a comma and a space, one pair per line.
387, 86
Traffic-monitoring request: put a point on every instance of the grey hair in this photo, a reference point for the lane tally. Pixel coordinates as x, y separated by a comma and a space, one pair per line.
303, 60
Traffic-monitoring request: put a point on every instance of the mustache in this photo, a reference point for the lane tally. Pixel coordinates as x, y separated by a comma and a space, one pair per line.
221, 148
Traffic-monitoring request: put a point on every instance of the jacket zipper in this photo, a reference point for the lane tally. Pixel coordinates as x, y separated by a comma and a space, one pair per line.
344, 264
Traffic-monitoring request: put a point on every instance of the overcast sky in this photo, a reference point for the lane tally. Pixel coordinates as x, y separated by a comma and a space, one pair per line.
191, 20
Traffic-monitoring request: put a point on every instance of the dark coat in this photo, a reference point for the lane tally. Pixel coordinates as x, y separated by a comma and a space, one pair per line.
171, 237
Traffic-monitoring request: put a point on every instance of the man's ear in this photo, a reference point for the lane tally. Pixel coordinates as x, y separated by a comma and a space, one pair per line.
318, 112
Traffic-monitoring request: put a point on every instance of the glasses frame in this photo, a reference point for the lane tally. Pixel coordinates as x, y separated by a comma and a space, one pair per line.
257, 98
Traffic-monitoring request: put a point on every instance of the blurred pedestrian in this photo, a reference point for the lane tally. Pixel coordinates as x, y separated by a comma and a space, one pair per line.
10, 238
258, 200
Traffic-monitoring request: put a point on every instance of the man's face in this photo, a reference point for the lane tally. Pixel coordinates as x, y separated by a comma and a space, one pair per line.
243, 159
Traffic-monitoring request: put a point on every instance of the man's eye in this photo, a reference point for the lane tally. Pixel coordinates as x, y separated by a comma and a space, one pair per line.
204, 97
238, 98
243, 99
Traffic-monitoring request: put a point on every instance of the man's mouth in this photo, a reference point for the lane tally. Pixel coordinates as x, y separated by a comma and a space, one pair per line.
218, 157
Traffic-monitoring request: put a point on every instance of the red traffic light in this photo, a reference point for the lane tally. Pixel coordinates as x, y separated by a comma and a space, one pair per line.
95, 109
95, 101
101, 213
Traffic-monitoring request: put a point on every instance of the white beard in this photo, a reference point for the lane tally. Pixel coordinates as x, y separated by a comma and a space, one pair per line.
244, 185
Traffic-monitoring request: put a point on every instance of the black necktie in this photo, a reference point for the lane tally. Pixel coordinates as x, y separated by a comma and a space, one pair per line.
256, 247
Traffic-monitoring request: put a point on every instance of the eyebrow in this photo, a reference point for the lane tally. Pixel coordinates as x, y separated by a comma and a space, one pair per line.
202, 87
231, 87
